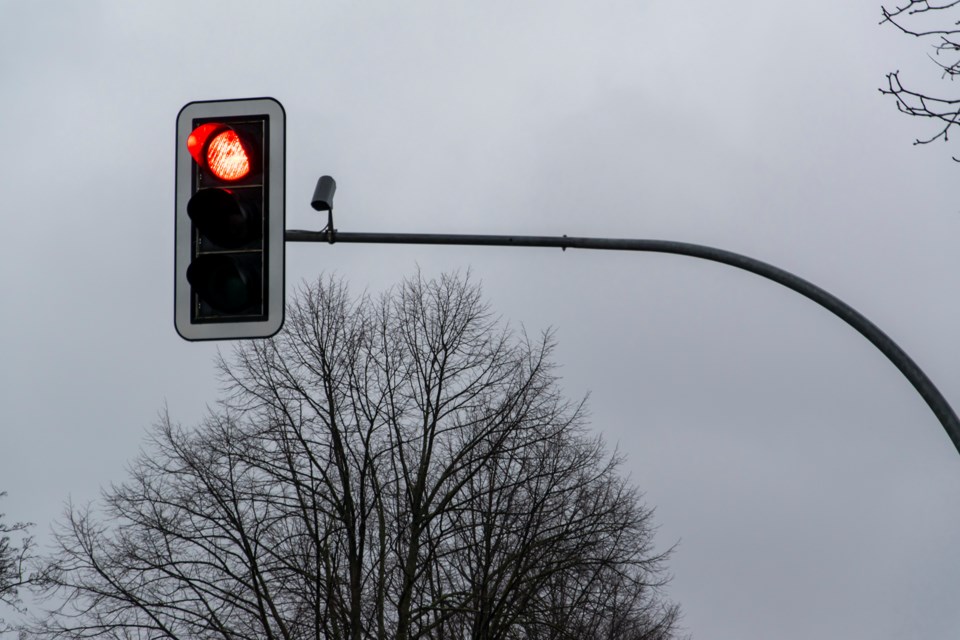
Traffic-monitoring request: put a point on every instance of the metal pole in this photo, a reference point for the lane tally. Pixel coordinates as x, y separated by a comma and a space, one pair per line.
924, 386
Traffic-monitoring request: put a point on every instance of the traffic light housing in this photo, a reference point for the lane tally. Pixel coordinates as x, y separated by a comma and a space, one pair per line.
229, 262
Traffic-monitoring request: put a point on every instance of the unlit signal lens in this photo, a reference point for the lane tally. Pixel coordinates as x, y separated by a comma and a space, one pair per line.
226, 157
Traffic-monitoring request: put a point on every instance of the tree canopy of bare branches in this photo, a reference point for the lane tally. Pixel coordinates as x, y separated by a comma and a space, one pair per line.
938, 23
14, 557
396, 467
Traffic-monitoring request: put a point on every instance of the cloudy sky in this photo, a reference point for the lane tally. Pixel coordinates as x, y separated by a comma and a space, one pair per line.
810, 489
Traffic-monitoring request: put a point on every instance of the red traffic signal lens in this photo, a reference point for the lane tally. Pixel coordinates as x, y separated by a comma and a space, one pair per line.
198, 138
226, 157
219, 149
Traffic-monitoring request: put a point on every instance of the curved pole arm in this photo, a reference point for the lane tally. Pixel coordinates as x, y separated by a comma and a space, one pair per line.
924, 386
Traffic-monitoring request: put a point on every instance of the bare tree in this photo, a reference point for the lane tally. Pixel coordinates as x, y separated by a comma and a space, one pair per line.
400, 467
14, 557
938, 22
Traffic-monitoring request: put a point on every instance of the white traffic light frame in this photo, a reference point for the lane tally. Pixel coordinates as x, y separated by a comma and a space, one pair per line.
274, 178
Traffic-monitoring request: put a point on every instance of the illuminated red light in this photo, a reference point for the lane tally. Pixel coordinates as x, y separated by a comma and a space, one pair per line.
225, 155
198, 138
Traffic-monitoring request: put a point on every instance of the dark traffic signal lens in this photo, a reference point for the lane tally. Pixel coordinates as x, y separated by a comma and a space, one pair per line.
227, 218
227, 284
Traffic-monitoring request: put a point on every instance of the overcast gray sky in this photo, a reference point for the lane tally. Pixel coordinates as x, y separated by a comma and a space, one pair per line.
812, 492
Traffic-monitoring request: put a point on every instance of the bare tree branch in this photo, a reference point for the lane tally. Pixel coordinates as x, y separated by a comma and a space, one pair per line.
920, 103
15, 556
399, 467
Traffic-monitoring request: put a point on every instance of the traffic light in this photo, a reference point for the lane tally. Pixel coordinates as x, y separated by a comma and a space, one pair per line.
229, 261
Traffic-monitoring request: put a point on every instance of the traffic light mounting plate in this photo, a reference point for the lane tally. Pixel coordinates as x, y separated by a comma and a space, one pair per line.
274, 178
